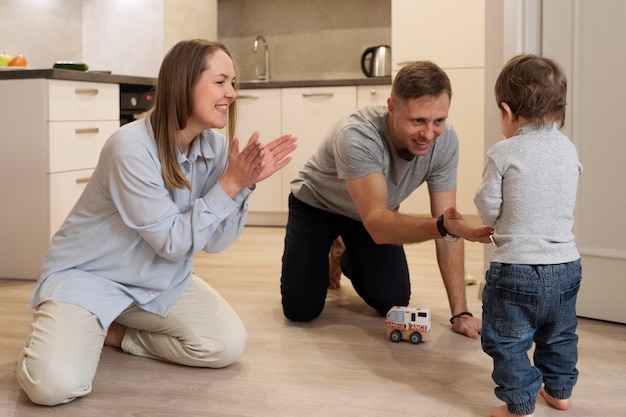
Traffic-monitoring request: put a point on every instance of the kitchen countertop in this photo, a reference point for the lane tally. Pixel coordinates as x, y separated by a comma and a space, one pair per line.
73, 75
105, 77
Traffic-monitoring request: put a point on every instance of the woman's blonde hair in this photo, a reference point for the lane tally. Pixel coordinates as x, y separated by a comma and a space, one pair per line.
173, 103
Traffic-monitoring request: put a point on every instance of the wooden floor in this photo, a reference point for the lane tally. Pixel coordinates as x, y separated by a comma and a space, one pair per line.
341, 364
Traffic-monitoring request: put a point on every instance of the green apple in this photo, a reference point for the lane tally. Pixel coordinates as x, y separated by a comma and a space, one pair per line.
4, 59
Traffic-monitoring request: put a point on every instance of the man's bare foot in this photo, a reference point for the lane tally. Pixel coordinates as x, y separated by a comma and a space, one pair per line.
502, 411
555, 402
115, 335
334, 263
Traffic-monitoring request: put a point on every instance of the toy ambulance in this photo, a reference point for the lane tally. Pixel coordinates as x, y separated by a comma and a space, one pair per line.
408, 323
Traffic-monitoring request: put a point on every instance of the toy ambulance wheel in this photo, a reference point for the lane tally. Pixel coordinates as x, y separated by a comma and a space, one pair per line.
395, 336
415, 338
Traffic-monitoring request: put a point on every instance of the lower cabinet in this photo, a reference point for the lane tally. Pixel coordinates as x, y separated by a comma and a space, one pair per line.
308, 113
372, 95
259, 110
53, 132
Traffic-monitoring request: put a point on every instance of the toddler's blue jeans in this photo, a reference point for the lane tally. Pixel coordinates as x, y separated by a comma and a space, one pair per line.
523, 304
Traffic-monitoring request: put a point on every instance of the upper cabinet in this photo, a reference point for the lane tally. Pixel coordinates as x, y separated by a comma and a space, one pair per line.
448, 32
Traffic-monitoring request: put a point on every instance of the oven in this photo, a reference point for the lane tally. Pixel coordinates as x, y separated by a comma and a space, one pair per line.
135, 101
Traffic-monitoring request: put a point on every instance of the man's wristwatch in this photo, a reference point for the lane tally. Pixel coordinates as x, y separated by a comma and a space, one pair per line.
444, 233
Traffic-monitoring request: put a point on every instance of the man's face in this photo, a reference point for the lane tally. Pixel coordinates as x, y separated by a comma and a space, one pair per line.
415, 124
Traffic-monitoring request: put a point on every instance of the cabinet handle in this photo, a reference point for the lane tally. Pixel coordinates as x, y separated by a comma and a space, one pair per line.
250, 96
91, 91
402, 63
83, 180
318, 95
87, 130
373, 91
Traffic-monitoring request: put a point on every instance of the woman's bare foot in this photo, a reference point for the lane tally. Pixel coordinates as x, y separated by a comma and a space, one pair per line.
502, 411
555, 402
115, 335
334, 263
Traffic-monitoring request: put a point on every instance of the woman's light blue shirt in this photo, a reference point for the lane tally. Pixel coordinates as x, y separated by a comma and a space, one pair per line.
129, 239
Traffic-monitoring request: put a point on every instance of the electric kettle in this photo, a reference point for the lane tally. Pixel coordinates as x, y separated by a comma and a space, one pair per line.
376, 61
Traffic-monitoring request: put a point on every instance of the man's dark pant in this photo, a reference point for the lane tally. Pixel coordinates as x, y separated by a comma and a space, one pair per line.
379, 273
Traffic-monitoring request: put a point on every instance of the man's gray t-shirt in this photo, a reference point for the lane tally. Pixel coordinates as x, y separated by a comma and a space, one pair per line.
359, 145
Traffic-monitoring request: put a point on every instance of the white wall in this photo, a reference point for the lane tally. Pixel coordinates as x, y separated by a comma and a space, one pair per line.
126, 37
587, 39
43, 31
131, 37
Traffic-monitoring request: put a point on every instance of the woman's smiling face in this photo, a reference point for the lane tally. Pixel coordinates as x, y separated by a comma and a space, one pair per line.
214, 92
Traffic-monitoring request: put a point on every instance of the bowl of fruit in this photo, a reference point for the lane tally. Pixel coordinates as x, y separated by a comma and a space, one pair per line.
12, 62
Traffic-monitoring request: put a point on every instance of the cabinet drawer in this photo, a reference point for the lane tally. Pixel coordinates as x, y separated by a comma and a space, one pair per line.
65, 189
77, 145
73, 100
372, 95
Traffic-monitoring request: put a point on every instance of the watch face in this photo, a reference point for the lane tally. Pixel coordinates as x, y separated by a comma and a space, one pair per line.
450, 238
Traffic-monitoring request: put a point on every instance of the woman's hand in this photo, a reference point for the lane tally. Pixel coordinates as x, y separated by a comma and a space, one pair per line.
275, 155
243, 168
456, 225
255, 162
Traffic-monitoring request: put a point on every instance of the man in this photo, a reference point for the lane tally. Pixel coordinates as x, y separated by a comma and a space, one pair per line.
352, 188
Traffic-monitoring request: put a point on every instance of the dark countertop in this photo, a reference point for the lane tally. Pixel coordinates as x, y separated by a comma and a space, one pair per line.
73, 75
105, 77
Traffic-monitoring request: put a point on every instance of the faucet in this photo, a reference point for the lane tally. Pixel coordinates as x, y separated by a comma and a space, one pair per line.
265, 76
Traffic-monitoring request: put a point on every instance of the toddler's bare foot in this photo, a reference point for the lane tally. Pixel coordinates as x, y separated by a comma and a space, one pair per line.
334, 263
555, 402
502, 411
115, 334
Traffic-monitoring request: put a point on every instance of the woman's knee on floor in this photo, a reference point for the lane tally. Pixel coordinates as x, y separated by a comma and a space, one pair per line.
216, 352
52, 383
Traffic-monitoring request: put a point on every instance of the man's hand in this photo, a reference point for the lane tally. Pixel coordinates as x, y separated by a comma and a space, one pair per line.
468, 326
456, 225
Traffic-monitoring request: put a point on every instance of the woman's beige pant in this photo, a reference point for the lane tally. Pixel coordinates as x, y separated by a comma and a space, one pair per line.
63, 351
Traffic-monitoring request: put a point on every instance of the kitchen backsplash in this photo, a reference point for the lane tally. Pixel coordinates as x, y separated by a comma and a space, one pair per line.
308, 39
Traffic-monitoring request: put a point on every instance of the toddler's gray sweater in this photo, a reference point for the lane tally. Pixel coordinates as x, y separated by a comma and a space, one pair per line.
528, 194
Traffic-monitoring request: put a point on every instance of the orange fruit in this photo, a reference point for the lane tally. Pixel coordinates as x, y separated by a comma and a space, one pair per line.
18, 61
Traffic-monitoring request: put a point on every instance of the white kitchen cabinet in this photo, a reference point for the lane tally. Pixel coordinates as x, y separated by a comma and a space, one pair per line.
448, 32
308, 113
372, 95
467, 101
260, 110
53, 131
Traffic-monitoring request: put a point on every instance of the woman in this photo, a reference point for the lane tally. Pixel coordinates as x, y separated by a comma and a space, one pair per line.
119, 270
